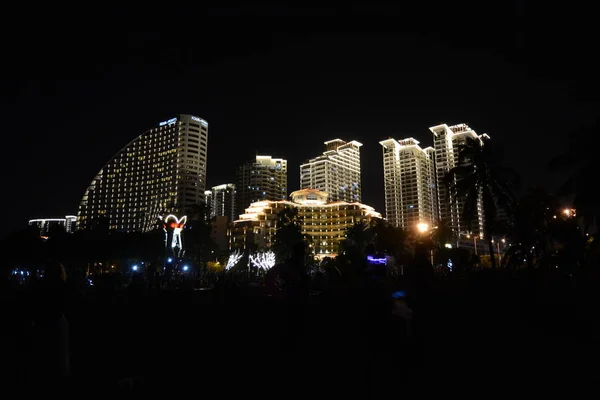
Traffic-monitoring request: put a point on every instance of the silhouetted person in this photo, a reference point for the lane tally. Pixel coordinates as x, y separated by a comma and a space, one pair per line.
50, 347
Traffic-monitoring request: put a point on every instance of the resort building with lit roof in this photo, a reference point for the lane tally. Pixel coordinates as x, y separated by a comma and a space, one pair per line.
324, 222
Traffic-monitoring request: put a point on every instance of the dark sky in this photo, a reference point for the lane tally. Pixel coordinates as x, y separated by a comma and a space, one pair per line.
282, 86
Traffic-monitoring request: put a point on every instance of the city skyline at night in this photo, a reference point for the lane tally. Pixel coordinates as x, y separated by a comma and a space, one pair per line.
263, 93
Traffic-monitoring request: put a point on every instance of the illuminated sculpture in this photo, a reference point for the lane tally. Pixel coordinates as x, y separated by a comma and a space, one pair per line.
233, 259
264, 261
173, 228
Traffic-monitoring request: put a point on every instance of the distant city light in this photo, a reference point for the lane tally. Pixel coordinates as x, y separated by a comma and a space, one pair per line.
448, 246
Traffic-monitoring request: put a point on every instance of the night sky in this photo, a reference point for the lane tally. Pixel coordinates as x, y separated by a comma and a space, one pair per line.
282, 87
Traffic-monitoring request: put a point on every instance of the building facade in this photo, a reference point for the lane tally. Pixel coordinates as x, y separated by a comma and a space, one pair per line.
447, 140
68, 223
161, 171
222, 201
264, 178
208, 200
324, 222
336, 172
409, 183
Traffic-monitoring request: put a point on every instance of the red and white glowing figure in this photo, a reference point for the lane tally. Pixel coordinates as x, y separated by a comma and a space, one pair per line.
173, 227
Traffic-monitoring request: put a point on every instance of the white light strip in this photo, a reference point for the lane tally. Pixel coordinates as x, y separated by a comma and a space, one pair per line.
264, 261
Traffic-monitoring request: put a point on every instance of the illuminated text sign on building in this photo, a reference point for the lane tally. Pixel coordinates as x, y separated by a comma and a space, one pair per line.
202, 122
169, 122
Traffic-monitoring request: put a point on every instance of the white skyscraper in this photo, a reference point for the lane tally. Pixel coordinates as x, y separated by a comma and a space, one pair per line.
336, 172
161, 171
409, 182
446, 141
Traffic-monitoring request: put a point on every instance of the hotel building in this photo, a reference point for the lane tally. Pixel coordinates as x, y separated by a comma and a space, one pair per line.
336, 172
324, 222
161, 171
222, 201
409, 182
447, 140
263, 178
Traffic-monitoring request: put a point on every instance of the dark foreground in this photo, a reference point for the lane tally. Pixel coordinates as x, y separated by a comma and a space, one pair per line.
339, 342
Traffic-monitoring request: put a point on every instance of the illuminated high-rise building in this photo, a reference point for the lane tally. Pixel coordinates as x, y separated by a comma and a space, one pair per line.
263, 178
336, 172
409, 182
161, 171
222, 201
447, 140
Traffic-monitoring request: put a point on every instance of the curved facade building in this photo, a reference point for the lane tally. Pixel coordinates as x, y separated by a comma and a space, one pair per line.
161, 171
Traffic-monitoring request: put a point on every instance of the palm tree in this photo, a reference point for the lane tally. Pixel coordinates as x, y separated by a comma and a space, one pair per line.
442, 234
288, 233
479, 178
359, 235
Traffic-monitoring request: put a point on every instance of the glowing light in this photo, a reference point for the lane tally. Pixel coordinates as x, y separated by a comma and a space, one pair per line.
169, 122
265, 260
374, 260
177, 226
135, 268
202, 122
169, 260
448, 246
185, 268
423, 227
233, 259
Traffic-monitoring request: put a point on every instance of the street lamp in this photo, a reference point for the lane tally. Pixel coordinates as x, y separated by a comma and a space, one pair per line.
423, 227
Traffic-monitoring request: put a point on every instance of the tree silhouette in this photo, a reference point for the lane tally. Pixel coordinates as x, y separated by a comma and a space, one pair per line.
478, 177
579, 160
359, 235
197, 238
288, 233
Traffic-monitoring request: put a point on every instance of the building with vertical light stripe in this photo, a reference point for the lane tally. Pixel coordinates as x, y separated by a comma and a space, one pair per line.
409, 183
161, 171
336, 172
447, 140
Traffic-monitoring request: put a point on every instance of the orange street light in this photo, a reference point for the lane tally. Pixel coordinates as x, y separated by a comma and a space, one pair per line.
423, 227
